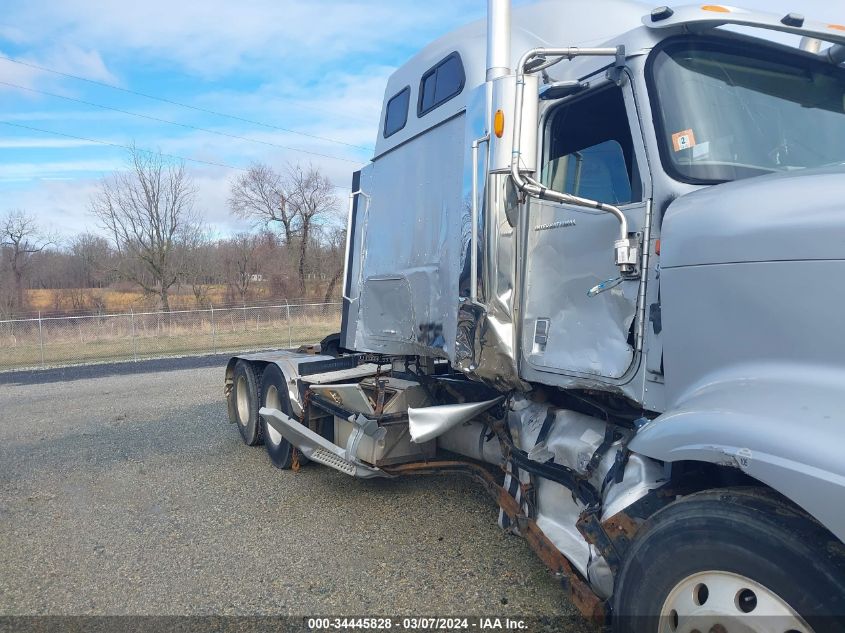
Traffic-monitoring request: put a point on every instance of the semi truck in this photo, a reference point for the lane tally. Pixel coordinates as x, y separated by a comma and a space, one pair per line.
593, 265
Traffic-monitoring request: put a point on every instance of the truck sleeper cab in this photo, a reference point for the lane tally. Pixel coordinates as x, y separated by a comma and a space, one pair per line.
598, 279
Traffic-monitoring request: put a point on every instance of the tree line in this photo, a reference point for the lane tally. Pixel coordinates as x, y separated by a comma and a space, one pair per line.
153, 240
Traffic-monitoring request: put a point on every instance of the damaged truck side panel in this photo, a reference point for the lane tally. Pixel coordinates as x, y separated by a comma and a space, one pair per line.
611, 306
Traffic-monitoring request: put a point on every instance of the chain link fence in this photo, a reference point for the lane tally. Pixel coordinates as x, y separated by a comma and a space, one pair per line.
73, 340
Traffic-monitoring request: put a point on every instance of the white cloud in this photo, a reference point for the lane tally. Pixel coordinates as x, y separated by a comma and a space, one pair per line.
17, 74
58, 205
58, 56
12, 33
216, 36
350, 115
43, 169
71, 58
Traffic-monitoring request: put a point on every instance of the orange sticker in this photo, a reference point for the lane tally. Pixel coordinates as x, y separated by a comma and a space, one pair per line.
683, 140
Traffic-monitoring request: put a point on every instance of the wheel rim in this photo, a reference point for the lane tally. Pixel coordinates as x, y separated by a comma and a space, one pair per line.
273, 402
722, 602
242, 392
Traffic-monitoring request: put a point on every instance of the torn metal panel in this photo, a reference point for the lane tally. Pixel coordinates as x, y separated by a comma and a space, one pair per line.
485, 345
573, 440
486, 338
428, 423
588, 335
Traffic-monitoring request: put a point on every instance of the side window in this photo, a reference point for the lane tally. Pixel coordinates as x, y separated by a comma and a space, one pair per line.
590, 153
441, 83
396, 112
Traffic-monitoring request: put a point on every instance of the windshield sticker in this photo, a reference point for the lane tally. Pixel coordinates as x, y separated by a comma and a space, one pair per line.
683, 140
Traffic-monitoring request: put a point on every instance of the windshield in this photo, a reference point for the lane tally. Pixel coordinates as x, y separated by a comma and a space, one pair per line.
724, 113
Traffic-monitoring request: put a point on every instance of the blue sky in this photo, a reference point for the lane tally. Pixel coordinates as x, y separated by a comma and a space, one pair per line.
317, 67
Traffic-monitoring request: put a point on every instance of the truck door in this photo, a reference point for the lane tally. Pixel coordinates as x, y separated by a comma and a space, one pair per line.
588, 152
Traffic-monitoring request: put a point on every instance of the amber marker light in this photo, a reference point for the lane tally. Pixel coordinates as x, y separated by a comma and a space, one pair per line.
499, 123
715, 8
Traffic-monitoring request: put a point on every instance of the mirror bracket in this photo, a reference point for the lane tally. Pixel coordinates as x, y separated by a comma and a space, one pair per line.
616, 73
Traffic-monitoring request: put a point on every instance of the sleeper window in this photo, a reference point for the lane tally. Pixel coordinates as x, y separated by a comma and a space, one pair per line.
441, 83
590, 153
396, 113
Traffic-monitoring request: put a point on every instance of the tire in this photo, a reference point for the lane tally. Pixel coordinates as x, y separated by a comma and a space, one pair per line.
747, 548
275, 395
245, 396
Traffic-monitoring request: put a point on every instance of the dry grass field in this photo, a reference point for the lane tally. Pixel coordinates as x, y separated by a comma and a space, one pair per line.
112, 300
57, 341
123, 298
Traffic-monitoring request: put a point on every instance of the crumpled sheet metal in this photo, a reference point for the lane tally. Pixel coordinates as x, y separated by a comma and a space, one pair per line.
427, 423
485, 348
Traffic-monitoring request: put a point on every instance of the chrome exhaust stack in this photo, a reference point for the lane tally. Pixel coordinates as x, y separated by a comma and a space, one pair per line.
498, 38
513, 120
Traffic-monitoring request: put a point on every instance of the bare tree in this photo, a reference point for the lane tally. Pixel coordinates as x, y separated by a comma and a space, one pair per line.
311, 196
20, 238
90, 260
240, 261
259, 195
200, 270
334, 238
149, 212
299, 199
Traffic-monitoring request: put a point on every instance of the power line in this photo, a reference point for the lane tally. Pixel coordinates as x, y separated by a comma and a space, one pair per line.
129, 147
178, 103
184, 125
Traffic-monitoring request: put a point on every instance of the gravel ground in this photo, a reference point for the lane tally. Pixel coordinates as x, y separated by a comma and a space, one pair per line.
124, 490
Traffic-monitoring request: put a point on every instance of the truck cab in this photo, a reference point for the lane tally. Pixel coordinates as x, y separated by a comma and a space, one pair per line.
591, 265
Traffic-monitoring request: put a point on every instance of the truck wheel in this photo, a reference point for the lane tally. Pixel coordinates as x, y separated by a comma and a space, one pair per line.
718, 561
275, 396
246, 397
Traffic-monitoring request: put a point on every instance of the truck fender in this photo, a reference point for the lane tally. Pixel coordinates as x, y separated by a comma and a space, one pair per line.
782, 426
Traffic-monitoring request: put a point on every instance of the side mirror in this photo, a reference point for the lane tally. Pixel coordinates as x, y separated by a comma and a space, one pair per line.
561, 89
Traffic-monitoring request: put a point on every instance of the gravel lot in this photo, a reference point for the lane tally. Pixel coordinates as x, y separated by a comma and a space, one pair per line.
124, 490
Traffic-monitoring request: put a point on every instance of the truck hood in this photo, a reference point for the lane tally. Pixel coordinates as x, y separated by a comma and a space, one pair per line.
797, 215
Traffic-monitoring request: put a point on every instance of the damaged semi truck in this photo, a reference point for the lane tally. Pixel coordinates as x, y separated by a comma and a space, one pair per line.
594, 264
